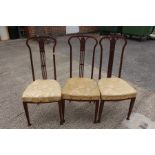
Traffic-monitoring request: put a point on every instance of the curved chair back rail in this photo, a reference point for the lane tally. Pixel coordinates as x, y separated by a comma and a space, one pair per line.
112, 39
82, 39
41, 42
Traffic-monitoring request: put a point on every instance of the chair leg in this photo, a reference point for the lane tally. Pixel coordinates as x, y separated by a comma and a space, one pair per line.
100, 111
60, 112
63, 110
131, 107
26, 113
96, 111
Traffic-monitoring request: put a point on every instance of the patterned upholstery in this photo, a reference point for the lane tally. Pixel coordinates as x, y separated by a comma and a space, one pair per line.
42, 91
115, 89
81, 89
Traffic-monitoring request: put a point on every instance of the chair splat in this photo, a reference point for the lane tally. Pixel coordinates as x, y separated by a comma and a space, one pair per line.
43, 58
82, 56
83, 39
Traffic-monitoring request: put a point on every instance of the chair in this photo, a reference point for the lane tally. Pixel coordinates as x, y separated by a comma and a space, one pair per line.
114, 88
81, 88
42, 91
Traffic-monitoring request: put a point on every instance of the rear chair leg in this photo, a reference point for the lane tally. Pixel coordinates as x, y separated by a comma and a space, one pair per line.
60, 112
100, 111
131, 107
63, 110
96, 111
26, 113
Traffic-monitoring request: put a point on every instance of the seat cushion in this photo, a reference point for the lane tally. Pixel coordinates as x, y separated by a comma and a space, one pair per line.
42, 91
115, 89
81, 89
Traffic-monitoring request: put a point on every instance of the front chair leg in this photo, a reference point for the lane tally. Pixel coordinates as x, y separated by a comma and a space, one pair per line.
63, 110
96, 111
100, 111
131, 107
26, 113
60, 112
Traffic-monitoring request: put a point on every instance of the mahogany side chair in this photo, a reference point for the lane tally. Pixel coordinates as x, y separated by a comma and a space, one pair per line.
80, 88
42, 90
114, 88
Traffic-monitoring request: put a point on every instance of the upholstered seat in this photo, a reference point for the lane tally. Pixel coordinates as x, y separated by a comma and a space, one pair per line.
42, 91
115, 89
80, 89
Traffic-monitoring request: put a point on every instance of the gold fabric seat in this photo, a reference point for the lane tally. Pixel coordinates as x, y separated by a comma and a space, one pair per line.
81, 89
115, 89
42, 91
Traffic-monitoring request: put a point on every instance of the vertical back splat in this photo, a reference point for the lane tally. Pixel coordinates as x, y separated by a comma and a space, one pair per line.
43, 58
82, 57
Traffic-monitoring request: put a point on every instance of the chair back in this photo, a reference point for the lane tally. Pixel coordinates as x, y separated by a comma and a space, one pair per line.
82, 39
113, 40
42, 40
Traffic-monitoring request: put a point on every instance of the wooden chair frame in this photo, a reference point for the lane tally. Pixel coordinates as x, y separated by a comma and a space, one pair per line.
82, 39
41, 41
113, 39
